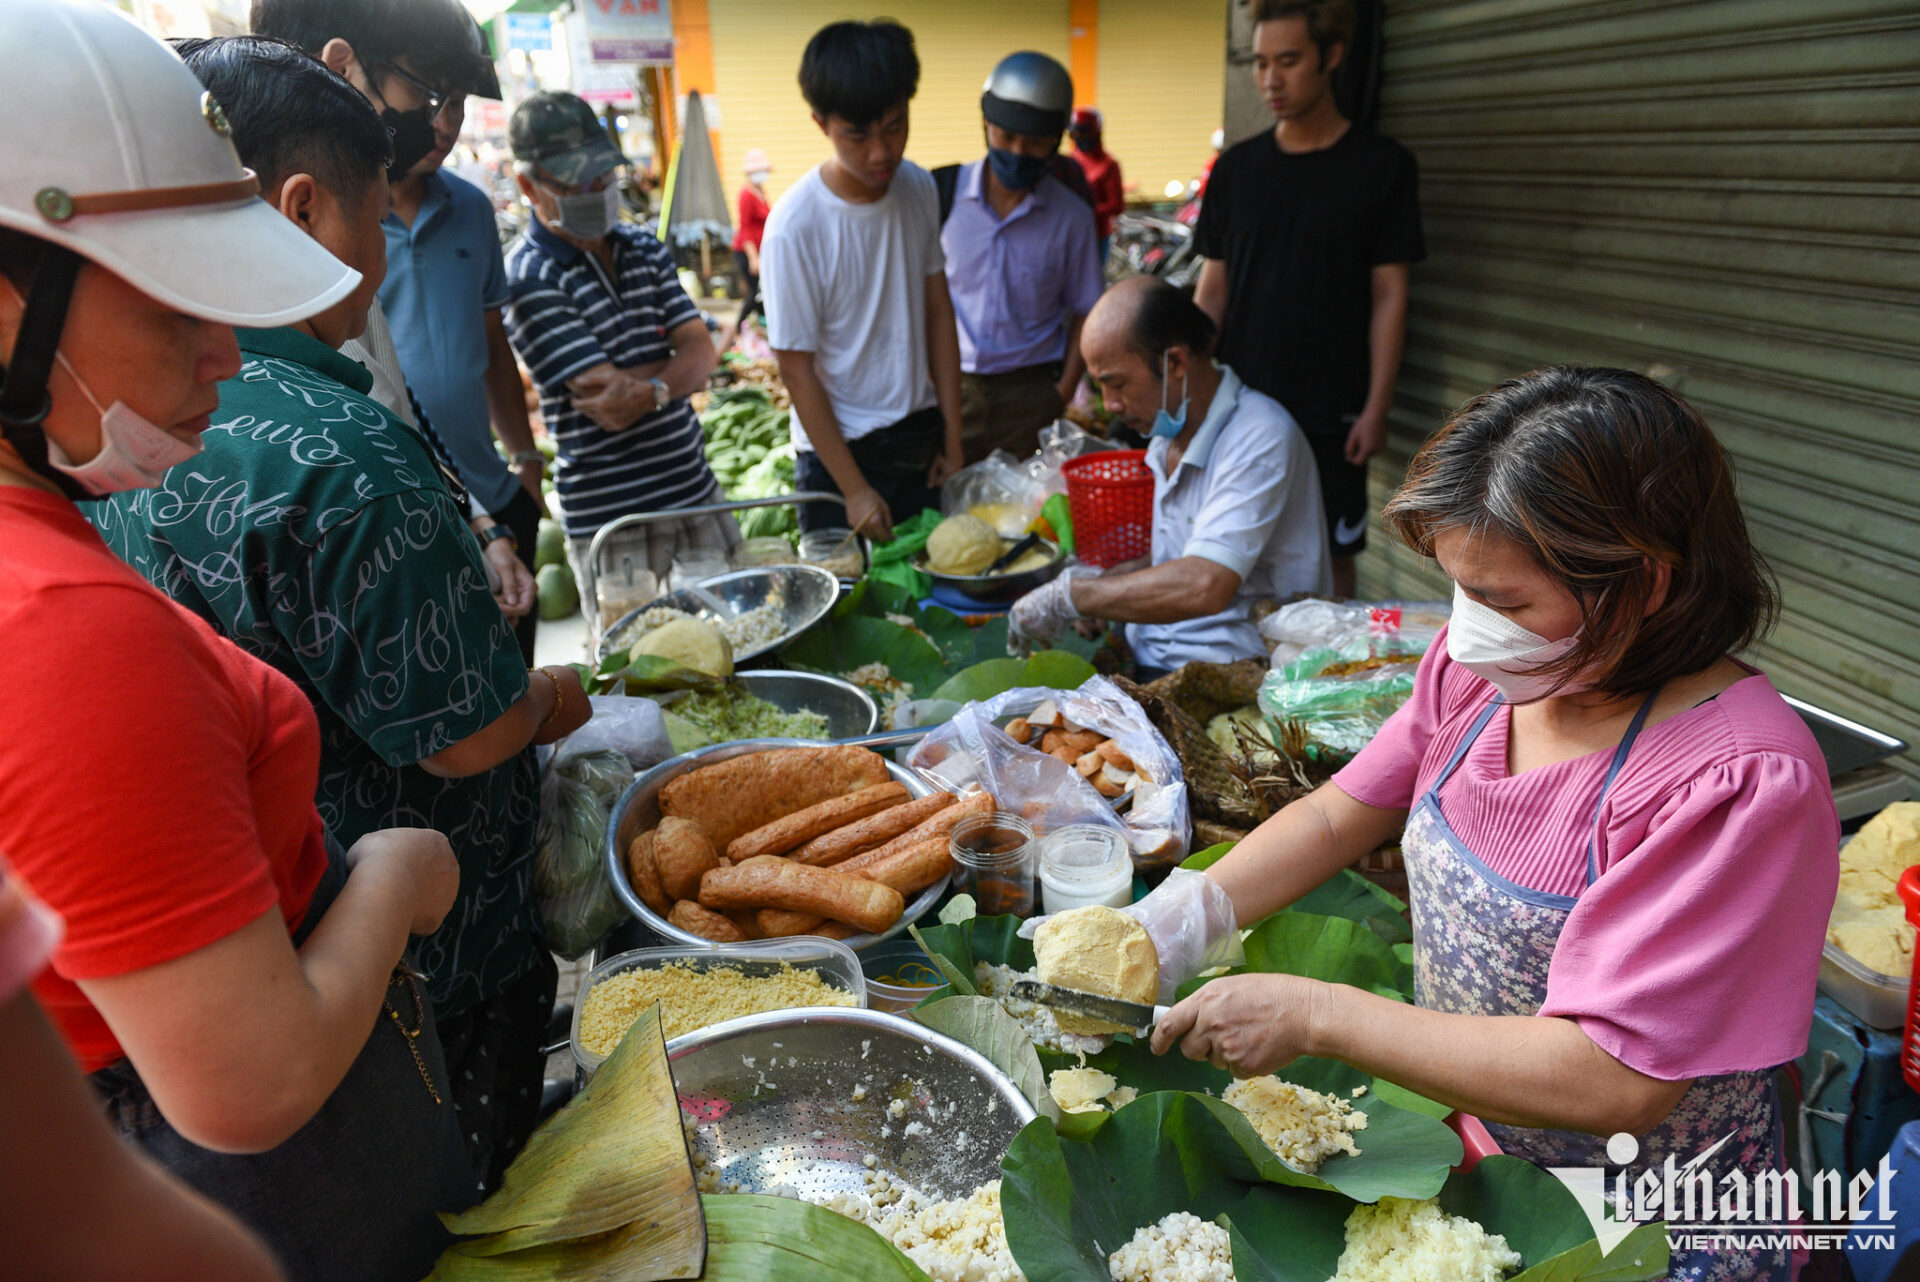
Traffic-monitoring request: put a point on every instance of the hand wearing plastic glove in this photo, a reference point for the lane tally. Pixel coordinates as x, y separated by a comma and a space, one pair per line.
1042, 615
1191, 922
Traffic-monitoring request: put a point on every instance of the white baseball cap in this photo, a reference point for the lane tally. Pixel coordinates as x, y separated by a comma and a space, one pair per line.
112, 149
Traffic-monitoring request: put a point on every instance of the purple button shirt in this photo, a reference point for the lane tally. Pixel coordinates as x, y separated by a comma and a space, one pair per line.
1016, 282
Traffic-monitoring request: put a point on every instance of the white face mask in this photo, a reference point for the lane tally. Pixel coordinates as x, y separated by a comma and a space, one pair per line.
590, 215
134, 453
758, 176
1490, 645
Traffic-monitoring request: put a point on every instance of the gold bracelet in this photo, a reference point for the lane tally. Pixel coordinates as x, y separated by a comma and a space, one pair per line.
559, 700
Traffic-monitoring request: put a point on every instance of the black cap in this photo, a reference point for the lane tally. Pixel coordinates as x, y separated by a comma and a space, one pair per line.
559, 133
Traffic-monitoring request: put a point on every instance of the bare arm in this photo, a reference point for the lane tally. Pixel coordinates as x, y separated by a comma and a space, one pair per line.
1210, 291
245, 1083
867, 512
1386, 341
1188, 587
76, 1202
1075, 365
507, 406
616, 397
1308, 841
943, 360
524, 723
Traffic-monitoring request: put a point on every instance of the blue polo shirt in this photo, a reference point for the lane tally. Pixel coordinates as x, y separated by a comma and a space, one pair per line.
1016, 280
568, 315
443, 275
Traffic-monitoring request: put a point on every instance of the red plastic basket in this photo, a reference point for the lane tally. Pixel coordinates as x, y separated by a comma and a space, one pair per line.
1110, 495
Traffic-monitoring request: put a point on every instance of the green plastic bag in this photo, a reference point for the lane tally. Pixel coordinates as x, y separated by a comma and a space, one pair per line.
893, 560
1341, 710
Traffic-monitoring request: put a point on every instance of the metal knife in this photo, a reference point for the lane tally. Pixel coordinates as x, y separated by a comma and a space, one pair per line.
1012, 554
1132, 1015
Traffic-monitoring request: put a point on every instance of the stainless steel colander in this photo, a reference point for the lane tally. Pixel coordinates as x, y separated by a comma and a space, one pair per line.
774, 1099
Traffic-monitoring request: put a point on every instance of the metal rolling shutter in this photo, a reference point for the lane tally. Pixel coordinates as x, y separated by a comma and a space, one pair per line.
1722, 194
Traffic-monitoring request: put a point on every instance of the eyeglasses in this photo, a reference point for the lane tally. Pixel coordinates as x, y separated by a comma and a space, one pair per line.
436, 98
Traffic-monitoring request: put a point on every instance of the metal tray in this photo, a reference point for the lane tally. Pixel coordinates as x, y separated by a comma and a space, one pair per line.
849, 710
1847, 745
804, 593
638, 810
774, 1107
997, 587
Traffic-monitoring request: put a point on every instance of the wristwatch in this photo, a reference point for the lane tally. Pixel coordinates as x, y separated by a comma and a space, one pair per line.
493, 532
528, 456
660, 393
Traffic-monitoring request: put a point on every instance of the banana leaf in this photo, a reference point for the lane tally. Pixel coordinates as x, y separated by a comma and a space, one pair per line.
604, 1188
1345, 894
850, 641
1336, 949
955, 949
1068, 1205
980, 1022
756, 1238
1286, 1235
1050, 669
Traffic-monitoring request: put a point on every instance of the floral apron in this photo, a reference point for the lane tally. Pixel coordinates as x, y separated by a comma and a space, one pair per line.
1483, 945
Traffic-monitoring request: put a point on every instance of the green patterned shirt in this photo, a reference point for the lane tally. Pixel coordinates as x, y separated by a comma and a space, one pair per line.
316, 532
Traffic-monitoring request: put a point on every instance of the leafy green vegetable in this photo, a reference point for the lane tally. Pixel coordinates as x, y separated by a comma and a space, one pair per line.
1201, 860
980, 1022
993, 940
1050, 669
1334, 949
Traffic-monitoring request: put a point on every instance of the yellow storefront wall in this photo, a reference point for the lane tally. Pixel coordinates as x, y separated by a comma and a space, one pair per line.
1158, 76
1162, 87
756, 61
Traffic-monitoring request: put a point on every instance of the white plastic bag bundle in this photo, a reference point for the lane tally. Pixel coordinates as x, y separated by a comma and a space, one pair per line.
1377, 627
970, 750
622, 723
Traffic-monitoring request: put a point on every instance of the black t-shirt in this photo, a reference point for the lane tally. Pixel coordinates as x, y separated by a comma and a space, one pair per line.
1299, 235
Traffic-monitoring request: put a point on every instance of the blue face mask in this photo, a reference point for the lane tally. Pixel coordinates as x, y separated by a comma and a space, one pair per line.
1016, 171
1165, 424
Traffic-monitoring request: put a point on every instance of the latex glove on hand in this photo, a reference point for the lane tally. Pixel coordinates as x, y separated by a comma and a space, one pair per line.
1191, 922
1042, 615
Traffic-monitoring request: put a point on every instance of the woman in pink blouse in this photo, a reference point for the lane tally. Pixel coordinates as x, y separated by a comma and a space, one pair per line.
1620, 841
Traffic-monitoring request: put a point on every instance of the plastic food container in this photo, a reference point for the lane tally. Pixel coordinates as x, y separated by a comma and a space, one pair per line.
1083, 865
993, 858
1879, 1000
898, 975
763, 549
834, 960
835, 549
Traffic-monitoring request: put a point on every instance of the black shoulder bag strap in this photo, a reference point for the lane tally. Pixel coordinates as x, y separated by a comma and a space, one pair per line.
24, 399
945, 180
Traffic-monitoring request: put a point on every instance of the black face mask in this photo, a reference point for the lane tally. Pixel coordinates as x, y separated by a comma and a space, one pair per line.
412, 134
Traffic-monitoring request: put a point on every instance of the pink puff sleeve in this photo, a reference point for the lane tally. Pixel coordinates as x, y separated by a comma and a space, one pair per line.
1697, 952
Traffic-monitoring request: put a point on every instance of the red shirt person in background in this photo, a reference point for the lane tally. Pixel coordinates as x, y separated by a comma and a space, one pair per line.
1102, 171
754, 208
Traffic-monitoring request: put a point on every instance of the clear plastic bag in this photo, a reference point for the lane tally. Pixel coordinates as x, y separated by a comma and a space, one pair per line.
1060, 441
624, 724
570, 888
1000, 485
1380, 627
972, 751
1342, 697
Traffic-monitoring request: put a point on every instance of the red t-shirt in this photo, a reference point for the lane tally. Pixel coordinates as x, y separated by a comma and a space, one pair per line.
156, 782
753, 219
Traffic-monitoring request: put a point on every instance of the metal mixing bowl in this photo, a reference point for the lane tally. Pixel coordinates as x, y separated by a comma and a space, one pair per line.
998, 587
849, 710
638, 809
804, 594
773, 1096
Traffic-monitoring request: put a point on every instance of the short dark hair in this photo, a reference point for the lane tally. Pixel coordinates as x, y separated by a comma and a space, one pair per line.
859, 71
1599, 475
1329, 22
436, 37
1165, 315
289, 114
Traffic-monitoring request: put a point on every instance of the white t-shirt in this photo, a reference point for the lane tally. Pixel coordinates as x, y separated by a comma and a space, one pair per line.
1247, 496
848, 283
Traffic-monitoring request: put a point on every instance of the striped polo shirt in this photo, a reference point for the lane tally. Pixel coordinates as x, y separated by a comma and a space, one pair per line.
566, 316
